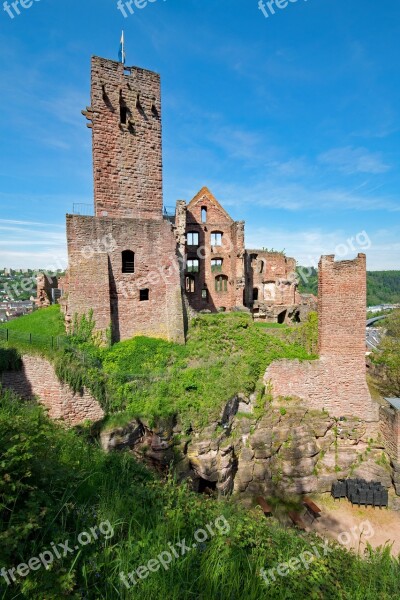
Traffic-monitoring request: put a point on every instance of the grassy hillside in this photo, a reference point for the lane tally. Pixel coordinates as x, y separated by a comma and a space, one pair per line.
55, 487
149, 378
383, 287
35, 330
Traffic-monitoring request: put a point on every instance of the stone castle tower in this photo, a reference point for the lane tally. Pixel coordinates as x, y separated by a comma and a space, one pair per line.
123, 261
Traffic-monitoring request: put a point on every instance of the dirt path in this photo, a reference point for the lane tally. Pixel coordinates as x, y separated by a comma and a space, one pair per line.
356, 527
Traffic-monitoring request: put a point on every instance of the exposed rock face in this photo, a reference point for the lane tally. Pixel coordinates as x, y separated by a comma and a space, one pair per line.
287, 449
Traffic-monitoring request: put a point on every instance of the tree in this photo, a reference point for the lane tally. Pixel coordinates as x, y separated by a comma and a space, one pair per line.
388, 357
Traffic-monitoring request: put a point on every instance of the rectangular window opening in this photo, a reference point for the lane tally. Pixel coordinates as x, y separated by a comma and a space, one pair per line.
192, 238
124, 114
216, 238
193, 265
144, 295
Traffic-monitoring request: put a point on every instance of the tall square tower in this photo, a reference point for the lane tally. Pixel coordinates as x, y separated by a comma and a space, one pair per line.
127, 151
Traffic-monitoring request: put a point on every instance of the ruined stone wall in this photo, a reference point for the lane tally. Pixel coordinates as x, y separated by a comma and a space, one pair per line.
44, 286
231, 251
342, 307
38, 379
336, 384
390, 429
96, 280
337, 381
271, 286
127, 157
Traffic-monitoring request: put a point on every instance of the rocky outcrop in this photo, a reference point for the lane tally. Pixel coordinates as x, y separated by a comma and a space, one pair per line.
283, 449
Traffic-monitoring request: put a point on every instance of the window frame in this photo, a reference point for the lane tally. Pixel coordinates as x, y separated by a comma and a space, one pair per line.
221, 284
192, 265
192, 233
217, 240
191, 288
217, 268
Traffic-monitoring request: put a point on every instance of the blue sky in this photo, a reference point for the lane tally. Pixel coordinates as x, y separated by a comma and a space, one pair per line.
293, 121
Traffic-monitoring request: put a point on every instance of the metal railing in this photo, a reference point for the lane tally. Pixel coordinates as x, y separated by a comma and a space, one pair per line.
48, 342
84, 210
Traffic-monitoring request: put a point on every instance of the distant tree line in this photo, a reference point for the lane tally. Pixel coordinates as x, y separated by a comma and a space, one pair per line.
383, 287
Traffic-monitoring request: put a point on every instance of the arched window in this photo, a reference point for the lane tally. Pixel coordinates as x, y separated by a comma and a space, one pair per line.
204, 214
221, 283
216, 238
190, 284
128, 261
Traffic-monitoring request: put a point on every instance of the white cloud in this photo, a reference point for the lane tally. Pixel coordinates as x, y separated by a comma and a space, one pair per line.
349, 160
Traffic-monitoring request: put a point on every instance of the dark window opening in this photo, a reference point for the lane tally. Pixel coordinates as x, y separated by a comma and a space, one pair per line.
221, 283
190, 285
192, 238
123, 114
193, 265
255, 294
154, 110
261, 266
128, 261
144, 295
282, 317
204, 214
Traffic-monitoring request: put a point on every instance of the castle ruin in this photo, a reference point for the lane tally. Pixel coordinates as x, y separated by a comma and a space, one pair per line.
139, 269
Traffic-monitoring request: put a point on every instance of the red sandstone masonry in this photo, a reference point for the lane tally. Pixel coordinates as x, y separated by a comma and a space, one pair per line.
96, 280
390, 429
337, 381
231, 252
38, 379
127, 157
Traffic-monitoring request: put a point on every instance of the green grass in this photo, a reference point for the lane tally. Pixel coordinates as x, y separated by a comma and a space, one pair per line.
56, 483
271, 325
36, 330
153, 379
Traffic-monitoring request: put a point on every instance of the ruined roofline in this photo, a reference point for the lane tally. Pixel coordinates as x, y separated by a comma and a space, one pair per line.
96, 58
206, 192
330, 259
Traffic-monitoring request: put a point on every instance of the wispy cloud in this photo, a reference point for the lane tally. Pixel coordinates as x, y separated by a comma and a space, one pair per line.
381, 246
349, 160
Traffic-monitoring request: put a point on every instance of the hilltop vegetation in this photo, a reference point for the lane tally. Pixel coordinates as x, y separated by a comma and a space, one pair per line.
383, 287
55, 485
150, 378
